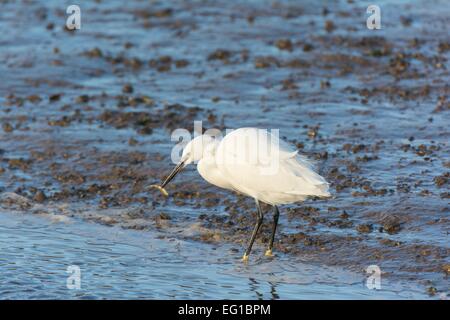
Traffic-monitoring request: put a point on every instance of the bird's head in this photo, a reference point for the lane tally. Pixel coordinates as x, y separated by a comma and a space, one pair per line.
197, 149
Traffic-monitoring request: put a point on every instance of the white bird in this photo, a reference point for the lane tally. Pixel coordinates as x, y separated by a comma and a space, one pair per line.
256, 163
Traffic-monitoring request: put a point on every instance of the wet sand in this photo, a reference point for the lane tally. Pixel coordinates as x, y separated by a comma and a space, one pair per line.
86, 118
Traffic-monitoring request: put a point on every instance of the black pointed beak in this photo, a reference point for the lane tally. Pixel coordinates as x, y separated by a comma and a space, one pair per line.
172, 175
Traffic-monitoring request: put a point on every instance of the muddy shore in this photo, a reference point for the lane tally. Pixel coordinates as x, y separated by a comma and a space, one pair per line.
86, 118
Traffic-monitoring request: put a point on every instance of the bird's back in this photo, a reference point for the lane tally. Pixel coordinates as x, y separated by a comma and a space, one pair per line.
257, 163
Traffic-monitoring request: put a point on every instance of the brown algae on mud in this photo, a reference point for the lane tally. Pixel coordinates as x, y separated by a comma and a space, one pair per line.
370, 106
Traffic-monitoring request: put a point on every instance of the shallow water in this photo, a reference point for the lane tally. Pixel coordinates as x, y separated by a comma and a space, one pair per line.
82, 159
125, 264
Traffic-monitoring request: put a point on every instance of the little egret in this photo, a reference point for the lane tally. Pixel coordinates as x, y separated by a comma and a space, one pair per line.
256, 163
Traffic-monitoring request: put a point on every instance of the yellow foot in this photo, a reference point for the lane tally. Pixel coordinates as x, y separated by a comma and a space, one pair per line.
245, 258
268, 253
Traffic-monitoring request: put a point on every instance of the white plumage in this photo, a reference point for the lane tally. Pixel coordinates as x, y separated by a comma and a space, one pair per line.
251, 161
256, 163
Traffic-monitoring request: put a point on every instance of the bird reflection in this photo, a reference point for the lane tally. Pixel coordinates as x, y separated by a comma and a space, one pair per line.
256, 288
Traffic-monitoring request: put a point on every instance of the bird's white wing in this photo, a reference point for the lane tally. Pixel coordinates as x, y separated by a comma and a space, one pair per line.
258, 163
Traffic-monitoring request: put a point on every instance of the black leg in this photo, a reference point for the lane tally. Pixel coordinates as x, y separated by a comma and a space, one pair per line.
255, 231
276, 215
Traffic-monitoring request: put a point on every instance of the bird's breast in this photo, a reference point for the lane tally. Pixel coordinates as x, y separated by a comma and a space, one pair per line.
211, 173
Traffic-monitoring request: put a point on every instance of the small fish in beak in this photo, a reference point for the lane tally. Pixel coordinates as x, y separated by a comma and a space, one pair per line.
169, 178
163, 191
